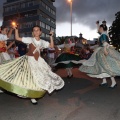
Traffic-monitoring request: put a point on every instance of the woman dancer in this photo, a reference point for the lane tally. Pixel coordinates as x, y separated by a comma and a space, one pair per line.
67, 59
29, 75
4, 36
105, 61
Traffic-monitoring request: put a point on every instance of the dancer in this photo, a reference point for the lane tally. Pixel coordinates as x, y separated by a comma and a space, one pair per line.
4, 36
67, 59
104, 62
30, 76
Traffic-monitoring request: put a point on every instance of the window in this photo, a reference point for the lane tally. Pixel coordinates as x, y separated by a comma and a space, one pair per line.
43, 35
42, 24
27, 25
43, 4
47, 7
23, 5
7, 9
47, 35
52, 29
52, 21
47, 27
53, 12
31, 3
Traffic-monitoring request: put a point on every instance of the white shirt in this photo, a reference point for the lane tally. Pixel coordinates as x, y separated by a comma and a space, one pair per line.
41, 43
3, 37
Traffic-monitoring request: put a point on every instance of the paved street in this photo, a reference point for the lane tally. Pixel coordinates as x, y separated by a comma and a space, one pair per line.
80, 99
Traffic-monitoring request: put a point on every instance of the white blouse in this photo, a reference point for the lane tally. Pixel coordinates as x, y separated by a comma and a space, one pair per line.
3, 37
41, 43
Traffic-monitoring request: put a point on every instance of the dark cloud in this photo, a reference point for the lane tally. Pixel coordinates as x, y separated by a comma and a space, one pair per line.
84, 11
87, 12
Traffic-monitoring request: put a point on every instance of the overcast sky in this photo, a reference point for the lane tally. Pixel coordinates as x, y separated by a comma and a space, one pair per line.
85, 14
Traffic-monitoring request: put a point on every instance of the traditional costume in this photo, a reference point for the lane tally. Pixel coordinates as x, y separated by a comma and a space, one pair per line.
100, 65
4, 56
30, 75
67, 59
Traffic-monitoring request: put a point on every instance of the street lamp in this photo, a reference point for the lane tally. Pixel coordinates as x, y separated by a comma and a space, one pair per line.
70, 1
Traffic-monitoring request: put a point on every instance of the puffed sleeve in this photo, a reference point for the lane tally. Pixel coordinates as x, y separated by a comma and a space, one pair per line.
105, 40
27, 40
45, 44
3, 37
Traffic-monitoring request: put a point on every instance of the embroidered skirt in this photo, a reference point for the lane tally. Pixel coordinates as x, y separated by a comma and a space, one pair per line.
30, 78
101, 66
67, 60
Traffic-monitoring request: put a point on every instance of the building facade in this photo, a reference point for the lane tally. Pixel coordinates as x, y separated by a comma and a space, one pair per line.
28, 13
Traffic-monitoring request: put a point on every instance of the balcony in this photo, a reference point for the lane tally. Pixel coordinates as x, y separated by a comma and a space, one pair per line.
31, 19
46, 11
20, 10
46, 21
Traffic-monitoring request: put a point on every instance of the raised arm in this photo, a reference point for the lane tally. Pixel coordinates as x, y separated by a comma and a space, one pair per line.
10, 45
17, 35
51, 40
10, 32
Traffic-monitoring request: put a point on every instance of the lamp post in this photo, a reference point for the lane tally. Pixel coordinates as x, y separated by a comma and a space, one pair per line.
71, 2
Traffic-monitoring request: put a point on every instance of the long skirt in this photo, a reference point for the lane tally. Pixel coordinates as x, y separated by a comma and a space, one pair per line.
30, 78
67, 60
102, 66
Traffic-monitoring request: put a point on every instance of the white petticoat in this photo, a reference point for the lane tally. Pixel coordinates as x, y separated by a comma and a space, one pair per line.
43, 76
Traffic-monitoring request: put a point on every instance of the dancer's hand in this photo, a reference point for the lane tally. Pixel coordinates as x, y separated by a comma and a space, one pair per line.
51, 33
105, 53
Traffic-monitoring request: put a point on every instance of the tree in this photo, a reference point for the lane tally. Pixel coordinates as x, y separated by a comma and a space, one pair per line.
114, 32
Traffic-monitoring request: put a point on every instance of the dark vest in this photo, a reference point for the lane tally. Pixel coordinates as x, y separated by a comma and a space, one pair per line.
30, 52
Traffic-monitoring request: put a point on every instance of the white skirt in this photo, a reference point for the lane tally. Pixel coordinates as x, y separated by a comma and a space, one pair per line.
26, 76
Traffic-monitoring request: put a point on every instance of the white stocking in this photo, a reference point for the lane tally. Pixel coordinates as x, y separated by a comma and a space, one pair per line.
1, 91
113, 81
70, 71
67, 69
104, 81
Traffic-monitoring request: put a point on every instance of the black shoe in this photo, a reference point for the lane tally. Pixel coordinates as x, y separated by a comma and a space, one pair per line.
113, 86
71, 76
68, 76
103, 85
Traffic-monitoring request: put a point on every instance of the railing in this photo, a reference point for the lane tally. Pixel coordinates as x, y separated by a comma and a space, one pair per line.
20, 10
35, 7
